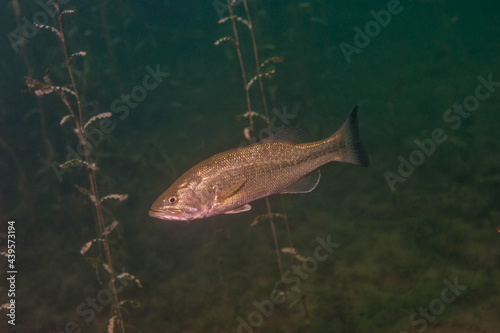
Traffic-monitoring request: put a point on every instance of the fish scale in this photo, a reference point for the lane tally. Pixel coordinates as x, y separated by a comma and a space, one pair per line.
228, 181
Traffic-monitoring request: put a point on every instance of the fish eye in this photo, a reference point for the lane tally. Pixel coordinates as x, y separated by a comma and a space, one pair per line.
172, 199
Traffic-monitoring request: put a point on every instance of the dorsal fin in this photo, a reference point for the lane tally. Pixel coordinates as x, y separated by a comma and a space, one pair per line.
289, 134
305, 184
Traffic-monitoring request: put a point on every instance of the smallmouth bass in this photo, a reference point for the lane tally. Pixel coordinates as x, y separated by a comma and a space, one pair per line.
226, 182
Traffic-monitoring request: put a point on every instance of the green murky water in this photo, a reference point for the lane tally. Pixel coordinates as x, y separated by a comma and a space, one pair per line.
409, 244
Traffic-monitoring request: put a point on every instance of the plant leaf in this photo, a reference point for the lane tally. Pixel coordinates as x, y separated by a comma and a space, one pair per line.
131, 302
120, 197
130, 277
107, 268
111, 325
38, 87
77, 54
272, 60
263, 217
48, 27
224, 39
66, 118
110, 228
96, 117
67, 11
87, 245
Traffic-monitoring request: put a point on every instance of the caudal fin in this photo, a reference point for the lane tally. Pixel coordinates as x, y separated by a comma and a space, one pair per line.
348, 135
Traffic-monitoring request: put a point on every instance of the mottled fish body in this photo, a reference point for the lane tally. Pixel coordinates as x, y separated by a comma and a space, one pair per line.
228, 181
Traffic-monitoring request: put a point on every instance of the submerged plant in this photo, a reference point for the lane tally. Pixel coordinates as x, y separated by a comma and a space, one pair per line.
261, 72
70, 97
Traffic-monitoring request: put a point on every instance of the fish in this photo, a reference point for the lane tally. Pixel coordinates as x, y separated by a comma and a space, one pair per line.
227, 182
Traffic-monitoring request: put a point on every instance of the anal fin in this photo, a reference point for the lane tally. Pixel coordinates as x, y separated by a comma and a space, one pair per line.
305, 184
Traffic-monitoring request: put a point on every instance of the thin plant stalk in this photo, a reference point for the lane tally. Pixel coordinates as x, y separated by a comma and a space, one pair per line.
257, 63
249, 106
242, 67
258, 69
91, 173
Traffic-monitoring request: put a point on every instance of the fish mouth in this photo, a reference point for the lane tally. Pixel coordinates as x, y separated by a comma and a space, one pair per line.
169, 215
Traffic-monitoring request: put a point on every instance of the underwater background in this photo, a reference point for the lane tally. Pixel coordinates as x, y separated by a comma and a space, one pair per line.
416, 246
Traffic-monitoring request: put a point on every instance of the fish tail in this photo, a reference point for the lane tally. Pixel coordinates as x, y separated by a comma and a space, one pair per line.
347, 137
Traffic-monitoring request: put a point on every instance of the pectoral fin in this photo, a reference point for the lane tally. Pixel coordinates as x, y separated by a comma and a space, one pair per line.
227, 191
239, 209
305, 184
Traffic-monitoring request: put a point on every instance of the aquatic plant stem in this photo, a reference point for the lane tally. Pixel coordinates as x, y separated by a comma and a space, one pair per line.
242, 67
276, 246
257, 63
285, 218
91, 173
249, 106
266, 109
